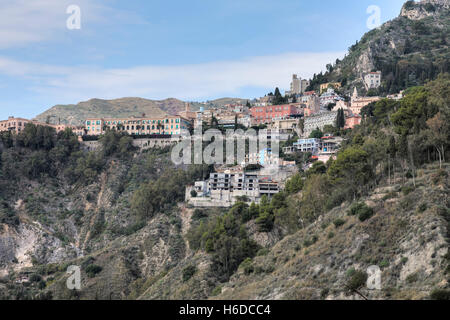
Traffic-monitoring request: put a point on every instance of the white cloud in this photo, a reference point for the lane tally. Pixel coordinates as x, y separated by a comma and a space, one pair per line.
24, 22
194, 81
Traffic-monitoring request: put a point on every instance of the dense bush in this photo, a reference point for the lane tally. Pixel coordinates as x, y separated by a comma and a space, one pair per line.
92, 270
189, 272
440, 294
361, 210
226, 239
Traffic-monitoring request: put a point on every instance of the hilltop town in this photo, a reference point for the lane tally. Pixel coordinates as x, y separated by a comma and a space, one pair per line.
351, 175
308, 122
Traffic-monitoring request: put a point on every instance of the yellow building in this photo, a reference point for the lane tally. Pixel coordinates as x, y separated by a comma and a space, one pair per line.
324, 87
357, 102
170, 125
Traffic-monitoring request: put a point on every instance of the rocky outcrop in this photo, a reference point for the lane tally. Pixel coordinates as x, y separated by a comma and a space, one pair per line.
426, 8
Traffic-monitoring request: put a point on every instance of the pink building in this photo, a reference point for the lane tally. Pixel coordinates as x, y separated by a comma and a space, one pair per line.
267, 114
352, 121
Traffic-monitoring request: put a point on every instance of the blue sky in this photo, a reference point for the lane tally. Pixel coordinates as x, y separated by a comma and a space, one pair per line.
191, 50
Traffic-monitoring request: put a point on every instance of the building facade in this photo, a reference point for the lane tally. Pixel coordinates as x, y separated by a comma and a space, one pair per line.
225, 188
298, 85
169, 125
372, 80
17, 125
325, 86
268, 114
319, 120
357, 102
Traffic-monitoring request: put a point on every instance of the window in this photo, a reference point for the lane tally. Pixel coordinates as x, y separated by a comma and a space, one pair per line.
88, 123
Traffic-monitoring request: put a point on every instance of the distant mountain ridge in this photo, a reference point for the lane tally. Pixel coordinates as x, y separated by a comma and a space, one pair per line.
75, 114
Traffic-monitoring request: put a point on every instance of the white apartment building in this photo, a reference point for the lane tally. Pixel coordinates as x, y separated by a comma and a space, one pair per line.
318, 120
372, 80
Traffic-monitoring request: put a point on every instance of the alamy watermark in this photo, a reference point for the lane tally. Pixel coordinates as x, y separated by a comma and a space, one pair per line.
73, 22
374, 20
230, 148
373, 278
74, 280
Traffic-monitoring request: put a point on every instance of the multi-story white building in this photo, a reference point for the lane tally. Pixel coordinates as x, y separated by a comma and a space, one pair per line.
225, 188
372, 80
319, 120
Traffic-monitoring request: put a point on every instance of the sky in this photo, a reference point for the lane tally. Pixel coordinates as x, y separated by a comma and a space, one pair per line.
194, 50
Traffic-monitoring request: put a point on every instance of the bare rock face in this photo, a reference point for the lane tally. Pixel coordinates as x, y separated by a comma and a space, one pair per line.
20, 246
426, 8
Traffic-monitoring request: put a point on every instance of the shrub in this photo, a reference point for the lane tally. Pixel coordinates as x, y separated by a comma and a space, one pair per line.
310, 242
338, 222
361, 210
217, 290
440, 294
247, 266
92, 270
384, 264
356, 281
407, 190
422, 207
188, 272
35, 278
265, 221
199, 214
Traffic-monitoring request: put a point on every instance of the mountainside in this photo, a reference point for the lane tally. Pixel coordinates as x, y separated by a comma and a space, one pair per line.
119, 215
124, 107
409, 50
406, 237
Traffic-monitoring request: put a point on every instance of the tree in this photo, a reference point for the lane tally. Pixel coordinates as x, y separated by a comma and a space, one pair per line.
316, 134
351, 169
356, 281
318, 167
294, 184
392, 152
278, 98
340, 119
438, 135
314, 197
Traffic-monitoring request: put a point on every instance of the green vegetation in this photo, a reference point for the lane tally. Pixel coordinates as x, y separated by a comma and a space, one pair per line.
92, 270
226, 239
440, 294
361, 210
164, 192
356, 280
407, 52
189, 272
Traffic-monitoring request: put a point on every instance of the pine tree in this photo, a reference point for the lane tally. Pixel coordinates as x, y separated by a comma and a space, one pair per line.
340, 119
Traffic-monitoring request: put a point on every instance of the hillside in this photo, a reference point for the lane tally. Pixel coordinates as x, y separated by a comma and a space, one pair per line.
407, 237
75, 114
120, 216
409, 50
124, 107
